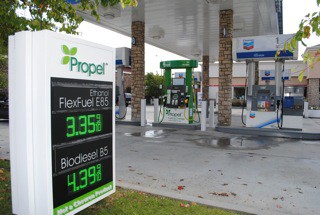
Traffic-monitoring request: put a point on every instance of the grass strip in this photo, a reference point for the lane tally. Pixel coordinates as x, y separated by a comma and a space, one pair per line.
124, 201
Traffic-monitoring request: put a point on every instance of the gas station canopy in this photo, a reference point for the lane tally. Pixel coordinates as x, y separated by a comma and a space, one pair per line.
191, 27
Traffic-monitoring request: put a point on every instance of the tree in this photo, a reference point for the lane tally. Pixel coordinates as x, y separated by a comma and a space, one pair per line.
56, 15
152, 83
3, 80
310, 24
34, 15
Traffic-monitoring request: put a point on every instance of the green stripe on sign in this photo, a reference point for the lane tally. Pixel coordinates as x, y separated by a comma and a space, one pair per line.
82, 200
178, 64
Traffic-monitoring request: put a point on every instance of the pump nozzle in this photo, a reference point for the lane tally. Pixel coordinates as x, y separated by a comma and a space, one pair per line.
164, 100
278, 104
186, 101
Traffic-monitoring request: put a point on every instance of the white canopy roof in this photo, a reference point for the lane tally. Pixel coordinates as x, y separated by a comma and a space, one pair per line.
191, 27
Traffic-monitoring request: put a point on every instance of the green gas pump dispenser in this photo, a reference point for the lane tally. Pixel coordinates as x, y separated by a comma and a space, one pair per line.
179, 96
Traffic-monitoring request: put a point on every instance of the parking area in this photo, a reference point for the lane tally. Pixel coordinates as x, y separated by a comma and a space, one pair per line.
260, 175
247, 173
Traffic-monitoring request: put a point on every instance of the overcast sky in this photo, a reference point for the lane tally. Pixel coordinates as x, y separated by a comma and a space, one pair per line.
294, 11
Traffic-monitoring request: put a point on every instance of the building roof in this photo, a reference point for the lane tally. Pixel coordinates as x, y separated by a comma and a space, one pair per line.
312, 48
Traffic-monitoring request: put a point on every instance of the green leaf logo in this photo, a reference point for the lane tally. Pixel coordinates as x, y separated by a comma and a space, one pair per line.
73, 51
65, 49
65, 60
68, 52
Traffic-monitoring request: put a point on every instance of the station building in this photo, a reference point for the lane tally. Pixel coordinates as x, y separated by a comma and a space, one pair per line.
309, 86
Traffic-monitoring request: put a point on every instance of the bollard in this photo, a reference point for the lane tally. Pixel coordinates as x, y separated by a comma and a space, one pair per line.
143, 112
203, 115
211, 116
156, 110
306, 109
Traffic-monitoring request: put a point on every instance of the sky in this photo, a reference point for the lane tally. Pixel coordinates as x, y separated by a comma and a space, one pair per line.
293, 12
153, 55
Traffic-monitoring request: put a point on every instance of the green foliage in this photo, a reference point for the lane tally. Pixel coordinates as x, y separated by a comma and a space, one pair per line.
55, 15
5, 187
10, 22
309, 25
152, 83
135, 202
124, 3
3, 80
3, 71
122, 202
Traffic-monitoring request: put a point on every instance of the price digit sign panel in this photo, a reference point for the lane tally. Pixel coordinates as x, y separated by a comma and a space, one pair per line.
81, 112
61, 123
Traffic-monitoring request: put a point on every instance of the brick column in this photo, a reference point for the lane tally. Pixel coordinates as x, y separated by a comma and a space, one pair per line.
205, 78
225, 67
137, 69
256, 72
313, 92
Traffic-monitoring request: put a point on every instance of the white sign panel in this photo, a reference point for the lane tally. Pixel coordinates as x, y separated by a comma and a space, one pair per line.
266, 75
174, 115
61, 123
262, 47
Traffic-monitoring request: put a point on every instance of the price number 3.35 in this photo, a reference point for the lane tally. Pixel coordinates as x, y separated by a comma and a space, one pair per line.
83, 124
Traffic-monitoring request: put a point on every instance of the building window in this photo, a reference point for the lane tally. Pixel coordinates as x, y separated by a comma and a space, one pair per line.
239, 92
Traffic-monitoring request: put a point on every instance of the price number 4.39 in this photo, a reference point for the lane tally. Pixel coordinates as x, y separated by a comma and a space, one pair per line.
84, 178
83, 124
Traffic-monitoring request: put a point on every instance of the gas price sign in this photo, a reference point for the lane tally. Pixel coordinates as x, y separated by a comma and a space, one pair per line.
61, 123
81, 118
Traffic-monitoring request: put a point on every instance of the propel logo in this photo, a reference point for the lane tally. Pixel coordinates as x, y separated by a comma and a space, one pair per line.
84, 67
168, 112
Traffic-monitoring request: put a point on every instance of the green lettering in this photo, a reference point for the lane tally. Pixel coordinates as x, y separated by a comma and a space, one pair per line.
94, 69
85, 67
73, 62
79, 65
85, 70
100, 69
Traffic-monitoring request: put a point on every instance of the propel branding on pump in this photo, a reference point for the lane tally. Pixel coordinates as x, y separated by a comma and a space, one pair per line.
168, 112
76, 65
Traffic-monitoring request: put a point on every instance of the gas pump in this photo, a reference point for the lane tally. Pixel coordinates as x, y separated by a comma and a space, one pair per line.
272, 110
179, 94
123, 61
267, 105
176, 93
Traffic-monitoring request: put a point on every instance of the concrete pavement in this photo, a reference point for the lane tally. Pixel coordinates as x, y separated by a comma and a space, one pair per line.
4, 139
253, 174
260, 175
